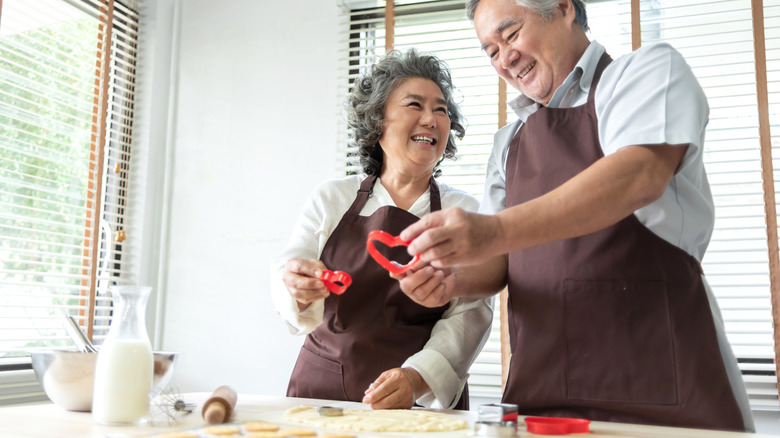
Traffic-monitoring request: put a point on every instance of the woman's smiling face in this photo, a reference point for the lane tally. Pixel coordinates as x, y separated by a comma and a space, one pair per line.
416, 127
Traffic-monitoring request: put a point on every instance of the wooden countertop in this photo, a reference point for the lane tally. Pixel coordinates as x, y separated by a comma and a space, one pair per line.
47, 420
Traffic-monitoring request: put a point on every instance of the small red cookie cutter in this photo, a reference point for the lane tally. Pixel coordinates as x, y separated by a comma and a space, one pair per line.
556, 425
391, 241
336, 281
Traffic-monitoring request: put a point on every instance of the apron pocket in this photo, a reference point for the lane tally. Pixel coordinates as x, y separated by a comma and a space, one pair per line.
317, 377
619, 342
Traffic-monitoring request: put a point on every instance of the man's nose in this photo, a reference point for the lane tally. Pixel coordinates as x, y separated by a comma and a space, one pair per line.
507, 57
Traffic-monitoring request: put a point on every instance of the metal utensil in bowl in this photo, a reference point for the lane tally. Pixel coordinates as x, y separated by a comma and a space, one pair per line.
77, 335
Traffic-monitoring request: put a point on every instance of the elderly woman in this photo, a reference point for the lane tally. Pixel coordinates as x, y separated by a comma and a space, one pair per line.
372, 343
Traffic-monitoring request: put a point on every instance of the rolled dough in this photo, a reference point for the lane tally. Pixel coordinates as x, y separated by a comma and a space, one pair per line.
383, 420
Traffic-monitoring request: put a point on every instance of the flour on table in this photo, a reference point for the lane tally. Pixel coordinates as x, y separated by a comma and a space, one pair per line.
383, 420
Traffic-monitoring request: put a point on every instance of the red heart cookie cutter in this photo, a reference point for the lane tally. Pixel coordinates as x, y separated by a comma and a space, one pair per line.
391, 241
336, 281
556, 426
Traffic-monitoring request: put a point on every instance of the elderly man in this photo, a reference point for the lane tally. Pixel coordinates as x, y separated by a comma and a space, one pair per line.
597, 212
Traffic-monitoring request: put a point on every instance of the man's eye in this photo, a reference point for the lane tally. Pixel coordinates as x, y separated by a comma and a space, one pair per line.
511, 36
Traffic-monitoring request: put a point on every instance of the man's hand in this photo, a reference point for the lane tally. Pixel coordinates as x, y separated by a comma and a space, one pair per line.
452, 236
302, 279
397, 388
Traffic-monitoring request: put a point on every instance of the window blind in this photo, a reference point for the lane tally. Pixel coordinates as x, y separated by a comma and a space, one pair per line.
765, 387
716, 39
363, 40
66, 107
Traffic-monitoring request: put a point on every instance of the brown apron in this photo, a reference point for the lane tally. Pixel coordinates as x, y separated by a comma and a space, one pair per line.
373, 326
614, 325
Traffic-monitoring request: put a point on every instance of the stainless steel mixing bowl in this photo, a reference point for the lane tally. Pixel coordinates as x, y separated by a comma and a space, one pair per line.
68, 377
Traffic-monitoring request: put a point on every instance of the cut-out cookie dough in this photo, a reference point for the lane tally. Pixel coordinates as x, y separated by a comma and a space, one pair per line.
383, 420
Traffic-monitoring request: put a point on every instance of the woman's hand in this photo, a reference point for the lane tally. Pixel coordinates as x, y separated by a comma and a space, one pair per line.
302, 279
397, 388
426, 285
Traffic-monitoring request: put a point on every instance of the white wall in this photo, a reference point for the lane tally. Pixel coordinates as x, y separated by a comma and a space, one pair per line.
251, 121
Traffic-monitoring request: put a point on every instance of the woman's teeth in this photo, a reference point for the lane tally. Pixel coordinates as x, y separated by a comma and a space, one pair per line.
423, 140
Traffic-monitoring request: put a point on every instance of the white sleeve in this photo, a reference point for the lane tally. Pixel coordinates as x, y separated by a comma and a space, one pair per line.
456, 339
494, 198
651, 97
304, 244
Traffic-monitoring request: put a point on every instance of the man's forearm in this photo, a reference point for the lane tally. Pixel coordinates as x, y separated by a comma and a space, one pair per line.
601, 195
483, 280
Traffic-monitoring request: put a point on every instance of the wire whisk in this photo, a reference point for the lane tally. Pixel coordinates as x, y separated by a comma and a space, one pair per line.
169, 405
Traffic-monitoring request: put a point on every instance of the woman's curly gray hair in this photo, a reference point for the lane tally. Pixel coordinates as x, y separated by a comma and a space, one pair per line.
366, 103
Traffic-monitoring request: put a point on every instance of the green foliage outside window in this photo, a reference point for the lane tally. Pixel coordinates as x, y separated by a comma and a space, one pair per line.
47, 88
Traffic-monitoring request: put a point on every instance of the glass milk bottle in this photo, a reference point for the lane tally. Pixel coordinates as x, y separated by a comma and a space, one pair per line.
123, 373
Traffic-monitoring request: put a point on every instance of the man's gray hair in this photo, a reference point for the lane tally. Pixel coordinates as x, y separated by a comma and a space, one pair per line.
545, 8
365, 105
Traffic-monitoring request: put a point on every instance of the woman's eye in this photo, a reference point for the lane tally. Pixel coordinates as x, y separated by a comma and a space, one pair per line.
441, 109
493, 54
417, 104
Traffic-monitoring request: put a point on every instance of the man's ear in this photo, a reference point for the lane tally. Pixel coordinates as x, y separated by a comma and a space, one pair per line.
566, 8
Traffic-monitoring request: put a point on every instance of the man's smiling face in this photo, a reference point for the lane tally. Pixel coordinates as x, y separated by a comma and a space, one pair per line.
532, 54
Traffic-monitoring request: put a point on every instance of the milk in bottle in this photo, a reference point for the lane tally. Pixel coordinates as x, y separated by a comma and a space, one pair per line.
123, 373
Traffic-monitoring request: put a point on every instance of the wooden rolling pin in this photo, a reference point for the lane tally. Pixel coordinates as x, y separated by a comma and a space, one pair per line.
219, 407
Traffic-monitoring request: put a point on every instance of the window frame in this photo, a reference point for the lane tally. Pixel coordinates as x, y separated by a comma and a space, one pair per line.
105, 256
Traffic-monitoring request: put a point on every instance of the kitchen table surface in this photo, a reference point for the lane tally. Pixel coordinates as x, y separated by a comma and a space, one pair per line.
46, 420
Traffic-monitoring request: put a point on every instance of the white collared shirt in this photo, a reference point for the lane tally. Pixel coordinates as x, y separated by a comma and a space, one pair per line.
648, 97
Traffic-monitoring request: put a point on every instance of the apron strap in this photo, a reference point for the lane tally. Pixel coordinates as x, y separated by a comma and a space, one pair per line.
435, 196
366, 189
603, 63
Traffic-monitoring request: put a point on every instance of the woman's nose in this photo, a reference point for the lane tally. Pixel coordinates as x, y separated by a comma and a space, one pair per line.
428, 119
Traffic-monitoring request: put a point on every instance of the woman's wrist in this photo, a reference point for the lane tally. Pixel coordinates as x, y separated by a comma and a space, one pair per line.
419, 386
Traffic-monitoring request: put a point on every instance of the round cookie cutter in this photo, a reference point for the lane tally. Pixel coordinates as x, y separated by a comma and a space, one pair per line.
495, 428
330, 411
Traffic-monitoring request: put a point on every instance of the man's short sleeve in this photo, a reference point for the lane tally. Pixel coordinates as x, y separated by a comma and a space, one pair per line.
650, 97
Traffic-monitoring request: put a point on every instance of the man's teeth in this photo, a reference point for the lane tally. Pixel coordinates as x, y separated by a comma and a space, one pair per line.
423, 139
527, 69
